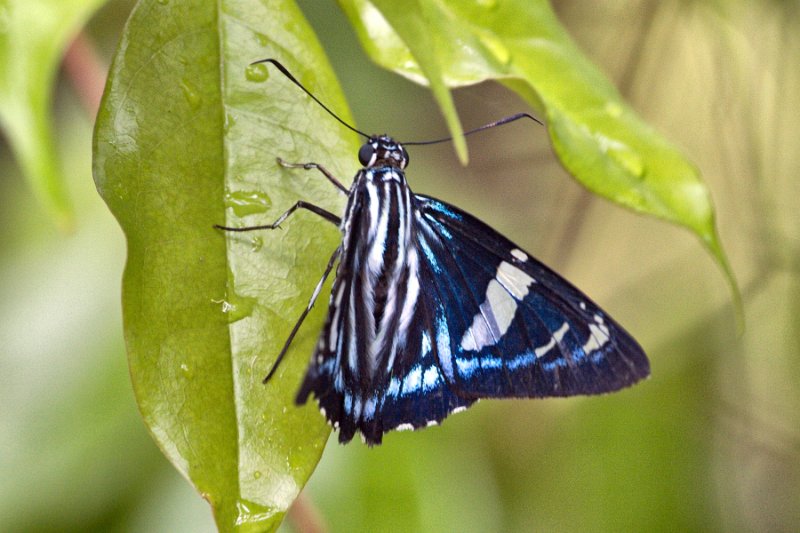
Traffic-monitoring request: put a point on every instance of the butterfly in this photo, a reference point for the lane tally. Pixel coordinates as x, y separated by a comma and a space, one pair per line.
432, 310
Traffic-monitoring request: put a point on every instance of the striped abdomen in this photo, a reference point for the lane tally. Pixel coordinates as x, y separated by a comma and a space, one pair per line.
377, 282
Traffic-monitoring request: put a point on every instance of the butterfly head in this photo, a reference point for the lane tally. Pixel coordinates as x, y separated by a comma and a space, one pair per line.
382, 150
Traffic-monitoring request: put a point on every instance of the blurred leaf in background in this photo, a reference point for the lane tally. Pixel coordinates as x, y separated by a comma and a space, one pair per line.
33, 36
709, 443
521, 43
75, 455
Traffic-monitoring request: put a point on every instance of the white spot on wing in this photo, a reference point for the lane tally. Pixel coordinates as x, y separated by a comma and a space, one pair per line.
394, 388
443, 346
426, 344
598, 335
519, 254
404, 427
430, 378
514, 280
413, 380
557, 337
498, 309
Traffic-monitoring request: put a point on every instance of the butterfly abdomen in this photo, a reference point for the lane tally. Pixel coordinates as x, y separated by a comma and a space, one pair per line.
374, 299
386, 264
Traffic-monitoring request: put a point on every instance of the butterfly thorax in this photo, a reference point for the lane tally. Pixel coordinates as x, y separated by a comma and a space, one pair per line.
377, 281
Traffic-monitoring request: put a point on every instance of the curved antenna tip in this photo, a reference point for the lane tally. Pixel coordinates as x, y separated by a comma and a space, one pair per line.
291, 78
494, 124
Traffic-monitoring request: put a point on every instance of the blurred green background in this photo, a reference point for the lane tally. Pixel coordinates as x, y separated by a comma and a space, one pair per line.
709, 443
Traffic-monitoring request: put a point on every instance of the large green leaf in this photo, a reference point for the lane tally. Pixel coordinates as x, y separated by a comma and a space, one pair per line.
187, 137
596, 135
33, 34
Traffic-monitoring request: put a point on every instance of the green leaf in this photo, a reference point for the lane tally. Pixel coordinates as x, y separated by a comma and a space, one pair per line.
33, 35
187, 137
596, 135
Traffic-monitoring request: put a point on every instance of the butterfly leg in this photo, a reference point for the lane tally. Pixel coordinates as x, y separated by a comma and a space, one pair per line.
315, 166
296, 327
327, 215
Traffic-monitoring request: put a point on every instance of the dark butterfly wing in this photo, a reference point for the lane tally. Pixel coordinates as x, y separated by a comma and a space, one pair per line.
514, 327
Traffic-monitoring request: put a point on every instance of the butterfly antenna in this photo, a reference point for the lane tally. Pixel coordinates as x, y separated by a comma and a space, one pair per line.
494, 124
288, 74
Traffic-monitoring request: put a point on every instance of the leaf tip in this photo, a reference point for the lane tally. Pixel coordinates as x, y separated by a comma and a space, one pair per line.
712, 242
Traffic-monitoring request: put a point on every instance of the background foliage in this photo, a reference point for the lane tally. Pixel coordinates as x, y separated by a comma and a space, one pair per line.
710, 442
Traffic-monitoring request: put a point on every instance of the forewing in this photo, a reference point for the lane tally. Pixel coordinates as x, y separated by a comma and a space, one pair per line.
515, 328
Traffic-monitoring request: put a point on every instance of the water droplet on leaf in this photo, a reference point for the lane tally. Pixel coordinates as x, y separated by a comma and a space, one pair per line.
257, 73
246, 203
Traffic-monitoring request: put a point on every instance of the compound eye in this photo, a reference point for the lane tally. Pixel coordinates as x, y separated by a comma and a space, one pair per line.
404, 162
366, 154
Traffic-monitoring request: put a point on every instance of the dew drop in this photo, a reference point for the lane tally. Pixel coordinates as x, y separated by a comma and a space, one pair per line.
242, 308
251, 516
246, 203
257, 73
186, 370
263, 40
237, 307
